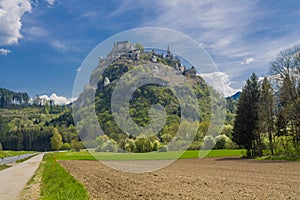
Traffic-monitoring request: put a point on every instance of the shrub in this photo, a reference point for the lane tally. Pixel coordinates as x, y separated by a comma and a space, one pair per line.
77, 145
209, 142
163, 148
109, 146
155, 145
65, 146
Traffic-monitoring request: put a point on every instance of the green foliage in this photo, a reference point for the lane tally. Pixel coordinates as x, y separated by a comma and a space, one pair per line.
142, 100
139, 46
76, 144
9, 99
2, 167
209, 142
105, 144
245, 132
4, 154
1, 147
224, 142
227, 130
56, 140
65, 146
57, 183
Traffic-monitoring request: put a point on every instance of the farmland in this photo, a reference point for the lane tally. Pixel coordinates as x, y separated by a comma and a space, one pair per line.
208, 178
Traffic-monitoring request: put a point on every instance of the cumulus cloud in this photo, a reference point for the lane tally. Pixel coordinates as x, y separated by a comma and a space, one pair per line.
247, 61
220, 82
4, 51
11, 12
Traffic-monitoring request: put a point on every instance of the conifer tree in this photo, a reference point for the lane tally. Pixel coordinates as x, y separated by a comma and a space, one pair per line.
246, 123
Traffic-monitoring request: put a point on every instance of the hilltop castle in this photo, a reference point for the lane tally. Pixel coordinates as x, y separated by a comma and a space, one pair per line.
134, 52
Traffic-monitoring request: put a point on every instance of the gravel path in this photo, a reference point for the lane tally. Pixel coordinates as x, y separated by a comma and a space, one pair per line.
14, 179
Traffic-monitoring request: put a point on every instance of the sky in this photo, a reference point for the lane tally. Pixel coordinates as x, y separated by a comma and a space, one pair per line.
44, 42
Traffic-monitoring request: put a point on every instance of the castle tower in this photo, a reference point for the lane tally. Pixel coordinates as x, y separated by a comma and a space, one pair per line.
168, 52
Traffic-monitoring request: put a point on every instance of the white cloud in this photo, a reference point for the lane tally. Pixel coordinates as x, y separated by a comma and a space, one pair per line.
58, 45
4, 51
11, 12
247, 61
231, 31
51, 2
220, 82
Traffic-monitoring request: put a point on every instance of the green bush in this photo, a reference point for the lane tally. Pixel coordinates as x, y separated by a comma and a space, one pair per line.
65, 146
209, 142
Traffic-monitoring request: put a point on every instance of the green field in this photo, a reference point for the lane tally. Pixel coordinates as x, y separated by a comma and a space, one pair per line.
57, 183
144, 156
4, 154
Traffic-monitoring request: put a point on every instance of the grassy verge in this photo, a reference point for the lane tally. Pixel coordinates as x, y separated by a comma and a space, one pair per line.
144, 156
4, 154
24, 159
2, 167
57, 183
281, 157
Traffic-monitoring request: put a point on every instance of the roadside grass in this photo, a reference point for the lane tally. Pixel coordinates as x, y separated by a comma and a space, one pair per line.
57, 183
84, 155
24, 159
4, 154
280, 157
2, 167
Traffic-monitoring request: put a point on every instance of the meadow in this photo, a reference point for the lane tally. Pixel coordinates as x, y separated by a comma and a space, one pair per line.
85, 155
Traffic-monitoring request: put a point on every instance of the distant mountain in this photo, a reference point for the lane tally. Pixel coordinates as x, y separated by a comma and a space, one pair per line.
53, 98
236, 96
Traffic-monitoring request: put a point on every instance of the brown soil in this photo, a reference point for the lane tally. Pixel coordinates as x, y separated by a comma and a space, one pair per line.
211, 178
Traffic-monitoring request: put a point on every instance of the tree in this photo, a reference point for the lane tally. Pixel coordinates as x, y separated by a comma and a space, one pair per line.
56, 140
76, 144
286, 69
1, 147
266, 111
245, 126
139, 46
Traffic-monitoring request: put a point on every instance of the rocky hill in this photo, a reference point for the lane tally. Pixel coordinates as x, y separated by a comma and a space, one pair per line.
131, 61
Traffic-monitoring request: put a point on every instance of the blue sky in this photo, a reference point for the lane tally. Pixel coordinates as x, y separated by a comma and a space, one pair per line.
43, 42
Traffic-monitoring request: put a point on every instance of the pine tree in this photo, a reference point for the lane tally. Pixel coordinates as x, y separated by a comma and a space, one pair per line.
245, 131
266, 112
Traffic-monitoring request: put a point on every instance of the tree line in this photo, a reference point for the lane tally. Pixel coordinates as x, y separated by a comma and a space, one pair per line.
9, 98
268, 111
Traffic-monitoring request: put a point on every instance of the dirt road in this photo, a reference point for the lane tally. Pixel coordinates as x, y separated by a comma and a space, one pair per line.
211, 178
13, 179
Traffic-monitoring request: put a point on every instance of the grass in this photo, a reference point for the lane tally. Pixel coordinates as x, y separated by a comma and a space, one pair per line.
4, 154
57, 183
2, 167
24, 159
280, 157
145, 156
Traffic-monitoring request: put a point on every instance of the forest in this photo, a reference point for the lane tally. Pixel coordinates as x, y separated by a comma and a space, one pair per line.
268, 111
